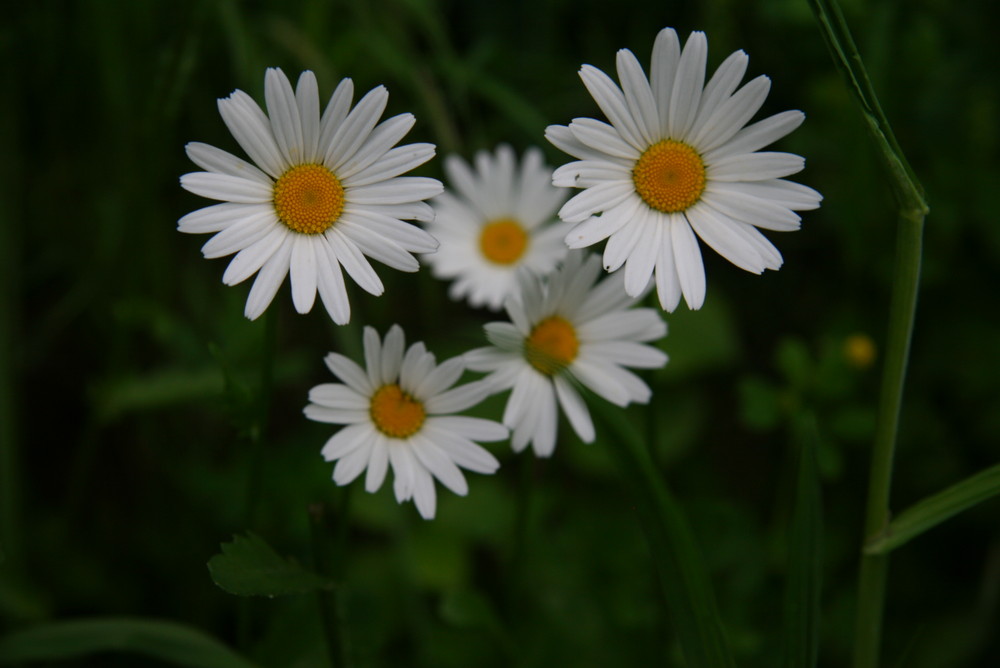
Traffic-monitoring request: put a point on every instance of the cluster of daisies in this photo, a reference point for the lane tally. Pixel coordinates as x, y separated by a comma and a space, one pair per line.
327, 191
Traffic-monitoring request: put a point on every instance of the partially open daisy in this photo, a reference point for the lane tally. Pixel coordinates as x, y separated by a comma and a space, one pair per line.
676, 161
325, 191
398, 412
565, 331
495, 224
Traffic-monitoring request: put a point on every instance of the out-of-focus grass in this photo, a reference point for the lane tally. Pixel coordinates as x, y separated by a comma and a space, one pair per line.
124, 456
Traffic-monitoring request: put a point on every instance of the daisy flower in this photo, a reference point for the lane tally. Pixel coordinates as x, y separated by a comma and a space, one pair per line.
565, 332
676, 164
323, 193
495, 224
398, 412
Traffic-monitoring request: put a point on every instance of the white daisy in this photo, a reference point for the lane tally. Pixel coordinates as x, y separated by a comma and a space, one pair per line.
496, 224
676, 161
398, 412
565, 331
325, 192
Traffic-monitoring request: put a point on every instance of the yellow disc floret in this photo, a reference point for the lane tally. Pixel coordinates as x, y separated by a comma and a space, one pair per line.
308, 199
552, 345
503, 241
395, 413
669, 176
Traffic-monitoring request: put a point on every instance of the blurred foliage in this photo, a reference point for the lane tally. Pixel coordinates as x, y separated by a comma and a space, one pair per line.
113, 504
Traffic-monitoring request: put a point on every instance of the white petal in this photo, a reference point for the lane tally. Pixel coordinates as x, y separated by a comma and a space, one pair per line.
242, 235
251, 129
410, 237
756, 136
334, 115
642, 259
603, 138
440, 379
461, 450
393, 163
668, 284
586, 173
599, 228
729, 116
575, 409
626, 353
638, 96
750, 209
227, 188
602, 197
392, 354
354, 262
356, 128
335, 395
378, 463
217, 217
347, 440
303, 271
373, 356
379, 248
307, 97
424, 495
686, 94
386, 135
563, 138
458, 398
633, 324
439, 464
662, 71
687, 257
722, 84
268, 280
476, 429
249, 260
755, 166
348, 371
612, 102
330, 283
336, 415
594, 376
397, 190
544, 441
718, 232
351, 465
214, 159
622, 243
283, 110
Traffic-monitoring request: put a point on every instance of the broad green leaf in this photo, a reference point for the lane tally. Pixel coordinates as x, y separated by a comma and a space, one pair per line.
248, 566
936, 509
685, 582
167, 641
800, 640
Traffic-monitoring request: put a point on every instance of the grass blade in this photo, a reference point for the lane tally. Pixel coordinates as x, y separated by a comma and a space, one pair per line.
167, 641
682, 574
935, 509
805, 554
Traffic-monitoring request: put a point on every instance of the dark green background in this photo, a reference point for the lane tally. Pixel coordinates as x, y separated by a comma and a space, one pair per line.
128, 374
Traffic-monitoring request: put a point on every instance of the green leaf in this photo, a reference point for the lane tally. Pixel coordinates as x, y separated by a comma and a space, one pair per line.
686, 586
845, 54
164, 640
936, 509
805, 556
248, 566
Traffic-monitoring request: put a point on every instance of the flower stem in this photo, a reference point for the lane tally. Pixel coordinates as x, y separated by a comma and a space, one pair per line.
683, 577
874, 568
328, 557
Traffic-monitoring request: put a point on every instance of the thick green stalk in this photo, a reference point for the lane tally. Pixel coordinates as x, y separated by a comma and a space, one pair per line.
874, 568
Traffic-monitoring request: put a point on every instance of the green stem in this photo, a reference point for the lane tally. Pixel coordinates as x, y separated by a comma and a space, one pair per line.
328, 557
874, 568
682, 574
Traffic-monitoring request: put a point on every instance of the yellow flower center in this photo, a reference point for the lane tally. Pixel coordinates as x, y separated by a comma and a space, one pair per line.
552, 345
669, 176
859, 349
308, 199
503, 241
395, 413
